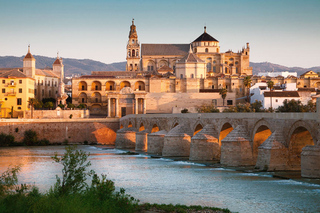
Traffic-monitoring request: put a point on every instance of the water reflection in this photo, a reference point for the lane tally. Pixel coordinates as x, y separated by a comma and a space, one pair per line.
166, 181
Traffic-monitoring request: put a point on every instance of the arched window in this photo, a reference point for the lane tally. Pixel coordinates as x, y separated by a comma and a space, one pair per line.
206, 50
129, 53
208, 67
214, 69
137, 53
132, 41
133, 53
181, 76
195, 50
192, 76
226, 70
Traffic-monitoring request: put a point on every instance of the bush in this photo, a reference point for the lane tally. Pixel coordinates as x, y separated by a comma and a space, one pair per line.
71, 106
184, 110
61, 106
30, 138
81, 106
6, 140
65, 142
43, 142
85, 142
210, 108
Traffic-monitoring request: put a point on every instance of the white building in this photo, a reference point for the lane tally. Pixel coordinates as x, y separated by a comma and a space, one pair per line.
275, 74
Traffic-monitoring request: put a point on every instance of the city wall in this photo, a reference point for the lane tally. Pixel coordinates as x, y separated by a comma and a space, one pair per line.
102, 131
57, 113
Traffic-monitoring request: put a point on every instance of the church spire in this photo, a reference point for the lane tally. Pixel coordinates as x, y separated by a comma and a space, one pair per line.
29, 48
133, 31
205, 29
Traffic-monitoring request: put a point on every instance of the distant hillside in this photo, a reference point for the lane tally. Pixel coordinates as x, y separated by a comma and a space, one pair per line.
84, 67
267, 66
71, 66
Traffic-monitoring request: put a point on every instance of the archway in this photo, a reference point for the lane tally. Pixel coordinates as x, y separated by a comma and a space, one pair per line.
155, 128
130, 124
225, 130
139, 86
124, 84
110, 86
300, 138
82, 98
262, 134
198, 128
96, 85
82, 86
141, 128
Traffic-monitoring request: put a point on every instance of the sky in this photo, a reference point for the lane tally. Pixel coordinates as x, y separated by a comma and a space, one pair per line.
285, 32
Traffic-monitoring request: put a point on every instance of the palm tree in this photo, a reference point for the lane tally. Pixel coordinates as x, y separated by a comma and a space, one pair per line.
32, 102
270, 85
223, 92
247, 84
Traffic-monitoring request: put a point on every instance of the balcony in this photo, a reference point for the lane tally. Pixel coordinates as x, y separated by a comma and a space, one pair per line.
11, 93
11, 84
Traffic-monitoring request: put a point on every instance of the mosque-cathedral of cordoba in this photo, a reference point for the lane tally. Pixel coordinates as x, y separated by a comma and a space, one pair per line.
163, 77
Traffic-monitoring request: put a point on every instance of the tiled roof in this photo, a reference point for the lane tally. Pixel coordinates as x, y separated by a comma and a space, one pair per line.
164, 49
13, 73
29, 55
165, 68
57, 61
205, 37
306, 89
46, 73
284, 94
308, 72
190, 58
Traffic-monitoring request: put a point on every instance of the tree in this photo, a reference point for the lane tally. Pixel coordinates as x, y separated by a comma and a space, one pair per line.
32, 102
74, 172
223, 92
48, 105
270, 85
247, 84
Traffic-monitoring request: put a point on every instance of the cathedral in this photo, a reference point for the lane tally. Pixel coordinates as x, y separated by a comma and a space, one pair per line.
199, 59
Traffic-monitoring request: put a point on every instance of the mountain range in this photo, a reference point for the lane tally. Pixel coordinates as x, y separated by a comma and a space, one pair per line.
85, 66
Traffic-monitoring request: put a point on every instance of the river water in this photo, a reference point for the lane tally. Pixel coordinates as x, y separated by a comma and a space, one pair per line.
166, 181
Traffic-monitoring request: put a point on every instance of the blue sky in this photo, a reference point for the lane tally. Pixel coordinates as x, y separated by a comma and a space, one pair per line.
285, 32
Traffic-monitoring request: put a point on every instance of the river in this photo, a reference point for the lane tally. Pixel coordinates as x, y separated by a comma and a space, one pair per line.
167, 181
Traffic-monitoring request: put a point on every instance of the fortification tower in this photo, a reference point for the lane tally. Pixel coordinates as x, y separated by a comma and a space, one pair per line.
133, 50
29, 64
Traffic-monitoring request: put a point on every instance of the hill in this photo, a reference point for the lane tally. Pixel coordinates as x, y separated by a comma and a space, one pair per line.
85, 66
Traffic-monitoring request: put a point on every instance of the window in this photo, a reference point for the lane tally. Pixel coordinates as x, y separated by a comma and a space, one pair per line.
150, 68
20, 81
110, 87
82, 100
35, 92
12, 82
237, 70
96, 100
226, 70
49, 83
132, 41
133, 53
19, 101
3, 90
195, 50
212, 86
214, 69
229, 102
42, 92
19, 107
208, 67
191, 76
206, 50
82, 87
96, 87
214, 102
225, 62
181, 76
20, 90
49, 92
276, 100
3, 81
140, 88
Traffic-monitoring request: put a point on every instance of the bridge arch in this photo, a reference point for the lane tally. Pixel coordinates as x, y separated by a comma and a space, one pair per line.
300, 135
260, 135
155, 128
121, 126
141, 128
225, 129
197, 129
130, 124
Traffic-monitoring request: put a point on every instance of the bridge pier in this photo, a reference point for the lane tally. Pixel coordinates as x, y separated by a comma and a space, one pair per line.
155, 142
236, 149
310, 158
142, 140
272, 154
177, 142
126, 138
204, 146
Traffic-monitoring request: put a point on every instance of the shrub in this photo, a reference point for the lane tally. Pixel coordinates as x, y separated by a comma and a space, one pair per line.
43, 142
30, 138
184, 110
81, 106
210, 108
71, 106
85, 142
65, 142
6, 140
61, 106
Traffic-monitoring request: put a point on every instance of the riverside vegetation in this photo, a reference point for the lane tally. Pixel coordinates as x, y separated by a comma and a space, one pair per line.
71, 193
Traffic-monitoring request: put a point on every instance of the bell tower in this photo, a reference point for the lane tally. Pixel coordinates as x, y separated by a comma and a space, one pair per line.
29, 64
133, 50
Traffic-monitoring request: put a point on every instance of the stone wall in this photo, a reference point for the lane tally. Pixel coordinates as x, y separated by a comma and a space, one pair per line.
102, 131
57, 113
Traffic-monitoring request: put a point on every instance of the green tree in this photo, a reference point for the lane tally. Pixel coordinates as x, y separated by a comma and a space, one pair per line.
257, 106
270, 86
48, 105
81, 106
247, 84
74, 172
71, 106
32, 102
223, 92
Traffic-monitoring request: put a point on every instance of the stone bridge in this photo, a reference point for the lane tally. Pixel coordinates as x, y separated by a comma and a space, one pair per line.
268, 141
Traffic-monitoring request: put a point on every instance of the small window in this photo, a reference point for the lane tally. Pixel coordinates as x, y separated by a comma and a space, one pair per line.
35, 92
19, 107
195, 50
206, 50
212, 86
214, 102
48, 83
110, 87
42, 92
82, 100
20, 90
192, 76
232, 84
49, 92
229, 102
20, 81
3, 90
19, 101
276, 100
3, 81
6, 99
181, 76
82, 87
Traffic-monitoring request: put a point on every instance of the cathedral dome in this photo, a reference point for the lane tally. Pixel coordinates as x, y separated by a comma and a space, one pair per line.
205, 37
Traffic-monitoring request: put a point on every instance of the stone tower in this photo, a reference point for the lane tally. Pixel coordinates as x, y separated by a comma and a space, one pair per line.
29, 64
133, 50
58, 67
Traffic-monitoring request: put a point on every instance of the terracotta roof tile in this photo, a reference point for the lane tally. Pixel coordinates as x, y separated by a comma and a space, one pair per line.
164, 49
13, 73
289, 94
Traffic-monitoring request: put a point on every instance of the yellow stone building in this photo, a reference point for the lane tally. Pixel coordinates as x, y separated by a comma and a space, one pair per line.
16, 90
